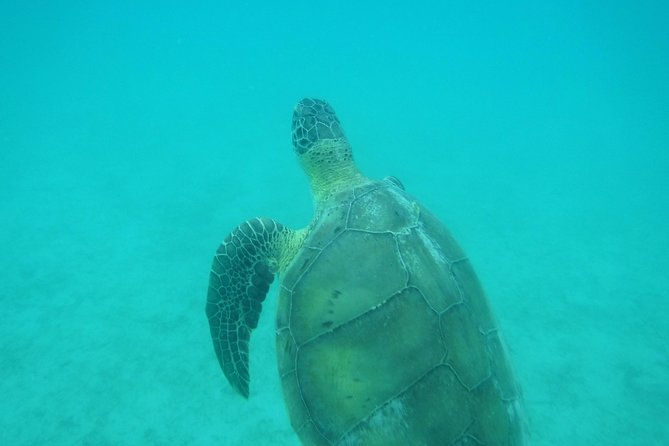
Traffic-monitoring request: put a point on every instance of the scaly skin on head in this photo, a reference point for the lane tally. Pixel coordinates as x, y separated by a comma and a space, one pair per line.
323, 150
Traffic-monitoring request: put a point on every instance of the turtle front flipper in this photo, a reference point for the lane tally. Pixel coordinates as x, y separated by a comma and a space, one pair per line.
241, 273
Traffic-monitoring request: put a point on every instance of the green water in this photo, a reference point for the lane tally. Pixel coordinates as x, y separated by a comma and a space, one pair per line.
135, 135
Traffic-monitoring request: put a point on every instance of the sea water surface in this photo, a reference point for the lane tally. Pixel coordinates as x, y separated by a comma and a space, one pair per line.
135, 135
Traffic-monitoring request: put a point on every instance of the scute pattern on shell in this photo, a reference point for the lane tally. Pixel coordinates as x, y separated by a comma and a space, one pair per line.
381, 317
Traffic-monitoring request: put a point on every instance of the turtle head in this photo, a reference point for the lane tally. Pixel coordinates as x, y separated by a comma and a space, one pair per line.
315, 121
321, 145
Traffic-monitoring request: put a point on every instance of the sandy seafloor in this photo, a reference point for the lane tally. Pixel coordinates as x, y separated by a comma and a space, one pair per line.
134, 136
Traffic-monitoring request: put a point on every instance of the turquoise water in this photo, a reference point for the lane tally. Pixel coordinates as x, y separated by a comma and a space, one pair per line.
134, 136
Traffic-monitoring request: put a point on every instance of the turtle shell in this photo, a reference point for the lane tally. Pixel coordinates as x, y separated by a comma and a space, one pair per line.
384, 335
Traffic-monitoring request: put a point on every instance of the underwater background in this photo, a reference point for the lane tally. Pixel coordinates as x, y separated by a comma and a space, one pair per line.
135, 135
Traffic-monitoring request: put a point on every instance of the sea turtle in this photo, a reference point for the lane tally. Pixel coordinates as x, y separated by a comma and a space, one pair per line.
384, 335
